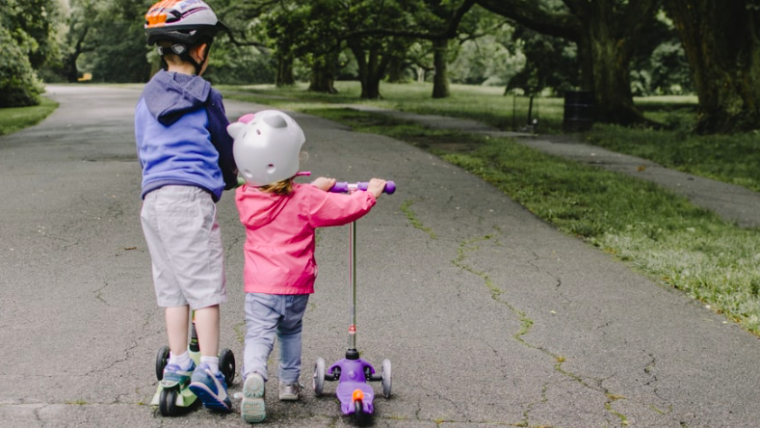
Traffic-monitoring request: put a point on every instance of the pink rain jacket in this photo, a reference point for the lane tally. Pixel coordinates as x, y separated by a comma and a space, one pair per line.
279, 245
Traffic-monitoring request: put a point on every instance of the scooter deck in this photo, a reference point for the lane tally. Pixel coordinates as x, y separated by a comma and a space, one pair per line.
352, 379
346, 393
185, 398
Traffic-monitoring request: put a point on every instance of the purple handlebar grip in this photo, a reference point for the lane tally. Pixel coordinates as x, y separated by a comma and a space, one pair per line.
343, 187
390, 186
340, 187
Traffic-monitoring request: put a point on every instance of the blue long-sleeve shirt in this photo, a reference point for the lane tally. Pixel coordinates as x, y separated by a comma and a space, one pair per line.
181, 135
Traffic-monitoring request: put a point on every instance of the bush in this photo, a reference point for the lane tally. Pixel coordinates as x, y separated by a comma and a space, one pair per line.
19, 86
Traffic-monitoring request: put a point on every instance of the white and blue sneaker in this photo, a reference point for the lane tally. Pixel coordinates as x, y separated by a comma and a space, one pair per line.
210, 388
174, 375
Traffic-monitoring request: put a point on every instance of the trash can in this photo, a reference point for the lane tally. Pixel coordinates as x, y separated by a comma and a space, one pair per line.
580, 111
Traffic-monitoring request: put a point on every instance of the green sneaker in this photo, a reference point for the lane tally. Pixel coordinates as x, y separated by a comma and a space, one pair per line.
252, 407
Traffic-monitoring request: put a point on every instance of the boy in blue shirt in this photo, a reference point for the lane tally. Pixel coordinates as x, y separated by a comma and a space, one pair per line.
186, 158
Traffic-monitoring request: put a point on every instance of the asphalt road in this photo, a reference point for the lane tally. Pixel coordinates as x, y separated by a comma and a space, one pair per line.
489, 316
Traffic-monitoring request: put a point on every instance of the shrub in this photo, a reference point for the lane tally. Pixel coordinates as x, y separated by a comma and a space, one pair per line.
19, 86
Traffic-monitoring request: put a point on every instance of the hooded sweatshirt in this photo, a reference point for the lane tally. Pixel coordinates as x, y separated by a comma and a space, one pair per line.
181, 134
279, 245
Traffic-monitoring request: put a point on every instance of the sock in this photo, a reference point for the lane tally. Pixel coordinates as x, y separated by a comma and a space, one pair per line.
183, 360
212, 362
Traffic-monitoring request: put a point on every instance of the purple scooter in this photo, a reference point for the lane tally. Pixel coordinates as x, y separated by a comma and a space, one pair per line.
352, 373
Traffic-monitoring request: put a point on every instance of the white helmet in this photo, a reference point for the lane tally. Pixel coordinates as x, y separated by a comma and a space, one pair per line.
267, 146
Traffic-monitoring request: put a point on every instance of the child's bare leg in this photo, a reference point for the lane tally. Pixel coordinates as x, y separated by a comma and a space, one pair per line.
207, 326
177, 319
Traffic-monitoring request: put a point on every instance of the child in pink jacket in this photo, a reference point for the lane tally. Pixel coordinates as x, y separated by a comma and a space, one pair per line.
280, 217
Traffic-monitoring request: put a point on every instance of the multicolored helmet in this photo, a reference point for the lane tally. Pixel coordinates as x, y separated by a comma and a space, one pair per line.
267, 146
185, 22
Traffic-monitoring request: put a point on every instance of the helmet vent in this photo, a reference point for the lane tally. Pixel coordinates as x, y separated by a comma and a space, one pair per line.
175, 16
270, 168
275, 121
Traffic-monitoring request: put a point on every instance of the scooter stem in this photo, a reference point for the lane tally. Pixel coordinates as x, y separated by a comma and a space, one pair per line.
352, 283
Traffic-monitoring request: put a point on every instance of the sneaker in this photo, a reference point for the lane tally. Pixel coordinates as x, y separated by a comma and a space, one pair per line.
290, 391
252, 407
174, 375
210, 388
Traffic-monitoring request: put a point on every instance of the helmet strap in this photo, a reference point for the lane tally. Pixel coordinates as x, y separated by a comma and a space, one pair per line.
204, 57
183, 52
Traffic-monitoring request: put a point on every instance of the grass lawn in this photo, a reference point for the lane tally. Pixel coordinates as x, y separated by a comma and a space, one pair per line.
17, 118
656, 232
729, 158
484, 103
732, 159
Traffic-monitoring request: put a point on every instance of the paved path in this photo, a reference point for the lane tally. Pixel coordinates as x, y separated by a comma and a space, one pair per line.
490, 317
733, 203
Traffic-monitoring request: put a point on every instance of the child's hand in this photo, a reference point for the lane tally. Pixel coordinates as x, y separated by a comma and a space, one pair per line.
376, 187
323, 183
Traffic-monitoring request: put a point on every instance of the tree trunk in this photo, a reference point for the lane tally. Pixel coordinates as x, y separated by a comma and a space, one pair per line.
441, 78
72, 72
372, 89
396, 70
606, 32
284, 71
610, 62
371, 70
323, 74
723, 49
586, 62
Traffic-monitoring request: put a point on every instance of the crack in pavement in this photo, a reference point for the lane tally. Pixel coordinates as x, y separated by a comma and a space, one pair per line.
473, 244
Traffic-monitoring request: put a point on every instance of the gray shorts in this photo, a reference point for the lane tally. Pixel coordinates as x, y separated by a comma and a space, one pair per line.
185, 247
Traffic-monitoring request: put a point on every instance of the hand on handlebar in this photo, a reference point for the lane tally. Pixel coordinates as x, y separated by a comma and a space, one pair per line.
376, 187
323, 183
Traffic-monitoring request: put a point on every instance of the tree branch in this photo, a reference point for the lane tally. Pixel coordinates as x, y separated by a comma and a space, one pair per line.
234, 41
449, 33
532, 15
637, 19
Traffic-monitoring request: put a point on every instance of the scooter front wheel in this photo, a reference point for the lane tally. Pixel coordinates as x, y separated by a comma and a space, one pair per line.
360, 418
318, 381
162, 358
167, 403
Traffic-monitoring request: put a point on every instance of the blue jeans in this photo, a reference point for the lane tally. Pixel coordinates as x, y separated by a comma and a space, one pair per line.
265, 316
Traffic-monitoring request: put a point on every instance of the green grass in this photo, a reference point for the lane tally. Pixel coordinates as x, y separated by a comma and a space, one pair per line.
484, 103
729, 158
17, 118
487, 104
655, 231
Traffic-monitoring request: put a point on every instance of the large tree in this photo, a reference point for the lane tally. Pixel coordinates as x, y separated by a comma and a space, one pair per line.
722, 44
606, 33
375, 40
27, 41
81, 36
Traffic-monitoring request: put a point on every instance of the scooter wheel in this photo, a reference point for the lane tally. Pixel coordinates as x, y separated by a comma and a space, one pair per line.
318, 381
227, 365
359, 417
386, 378
167, 402
161, 360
